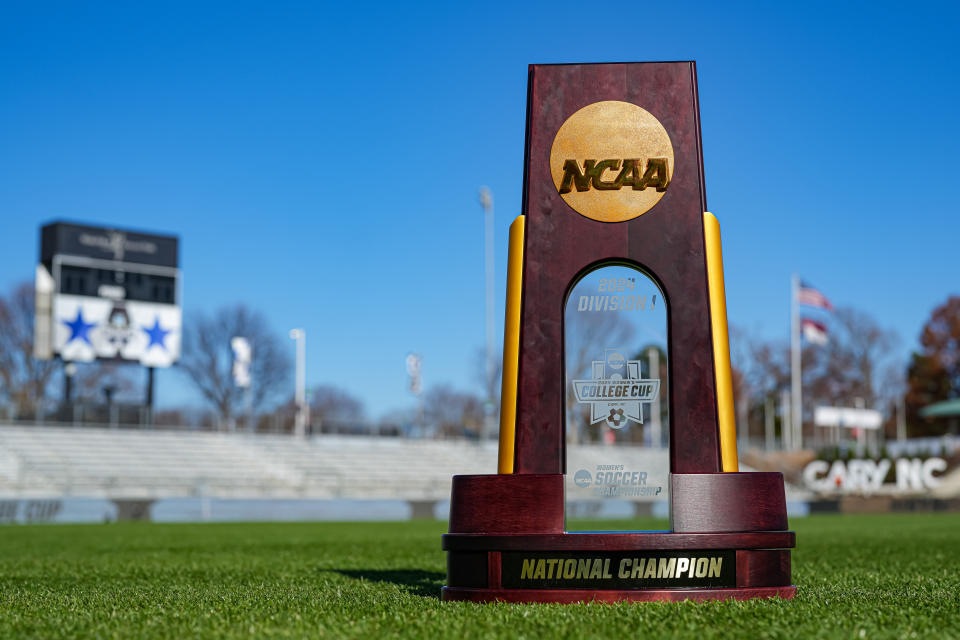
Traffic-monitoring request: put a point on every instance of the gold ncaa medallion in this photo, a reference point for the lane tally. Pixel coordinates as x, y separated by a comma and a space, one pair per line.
611, 161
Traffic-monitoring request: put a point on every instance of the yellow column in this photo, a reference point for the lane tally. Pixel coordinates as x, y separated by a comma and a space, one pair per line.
721, 344
511, 348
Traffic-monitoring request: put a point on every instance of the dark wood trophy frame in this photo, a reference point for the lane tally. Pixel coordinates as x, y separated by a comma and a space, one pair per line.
500, 520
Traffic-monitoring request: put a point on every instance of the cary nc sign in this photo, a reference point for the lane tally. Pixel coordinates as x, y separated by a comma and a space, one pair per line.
867, 476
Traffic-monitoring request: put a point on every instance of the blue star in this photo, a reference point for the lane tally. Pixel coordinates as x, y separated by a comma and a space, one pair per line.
156, 334
79, 330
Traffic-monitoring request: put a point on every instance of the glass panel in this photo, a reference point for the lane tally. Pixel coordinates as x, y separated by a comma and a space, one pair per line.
617, 421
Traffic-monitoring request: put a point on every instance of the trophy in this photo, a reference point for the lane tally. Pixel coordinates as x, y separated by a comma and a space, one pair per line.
615, 343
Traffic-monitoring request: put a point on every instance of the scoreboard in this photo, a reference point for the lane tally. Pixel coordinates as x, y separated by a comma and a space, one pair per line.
108, 294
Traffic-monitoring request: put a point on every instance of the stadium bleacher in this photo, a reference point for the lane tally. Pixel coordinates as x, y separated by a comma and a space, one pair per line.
141, 464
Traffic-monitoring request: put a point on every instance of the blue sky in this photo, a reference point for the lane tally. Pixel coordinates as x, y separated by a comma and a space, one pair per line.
321, 162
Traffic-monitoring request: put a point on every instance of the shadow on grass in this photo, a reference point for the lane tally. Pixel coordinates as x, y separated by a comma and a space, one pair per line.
425, 584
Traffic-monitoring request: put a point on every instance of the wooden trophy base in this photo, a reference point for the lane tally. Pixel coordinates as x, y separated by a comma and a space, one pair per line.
507, 543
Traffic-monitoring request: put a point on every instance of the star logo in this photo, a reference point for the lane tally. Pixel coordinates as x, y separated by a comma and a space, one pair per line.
156, 334
616, 391
79, 329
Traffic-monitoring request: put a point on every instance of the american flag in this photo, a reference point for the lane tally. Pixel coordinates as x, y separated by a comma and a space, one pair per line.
811, 297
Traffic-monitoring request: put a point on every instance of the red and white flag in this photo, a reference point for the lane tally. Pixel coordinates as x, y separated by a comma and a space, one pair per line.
811, 297
815, 332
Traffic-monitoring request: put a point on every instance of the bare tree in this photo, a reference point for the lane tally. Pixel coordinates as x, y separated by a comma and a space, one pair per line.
208, 359
765, 366
24, 380
491, 384
452, 413
852, 364
332, 404
91, 378
855, 363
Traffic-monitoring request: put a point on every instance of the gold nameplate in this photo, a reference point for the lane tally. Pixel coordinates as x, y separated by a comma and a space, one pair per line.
611, 161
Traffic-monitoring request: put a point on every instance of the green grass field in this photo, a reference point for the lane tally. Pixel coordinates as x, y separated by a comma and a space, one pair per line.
894, 576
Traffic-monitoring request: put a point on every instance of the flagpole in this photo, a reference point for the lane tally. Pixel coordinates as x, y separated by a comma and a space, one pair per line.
796, 417
785, 429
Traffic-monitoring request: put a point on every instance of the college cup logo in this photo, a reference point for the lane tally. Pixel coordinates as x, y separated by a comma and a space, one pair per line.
616, 392
612, 161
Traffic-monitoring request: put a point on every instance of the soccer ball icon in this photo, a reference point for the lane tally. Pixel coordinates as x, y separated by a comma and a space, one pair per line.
616, 419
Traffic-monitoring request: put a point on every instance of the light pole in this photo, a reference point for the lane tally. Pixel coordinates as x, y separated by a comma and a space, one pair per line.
486, 201
300, 398
414, 368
